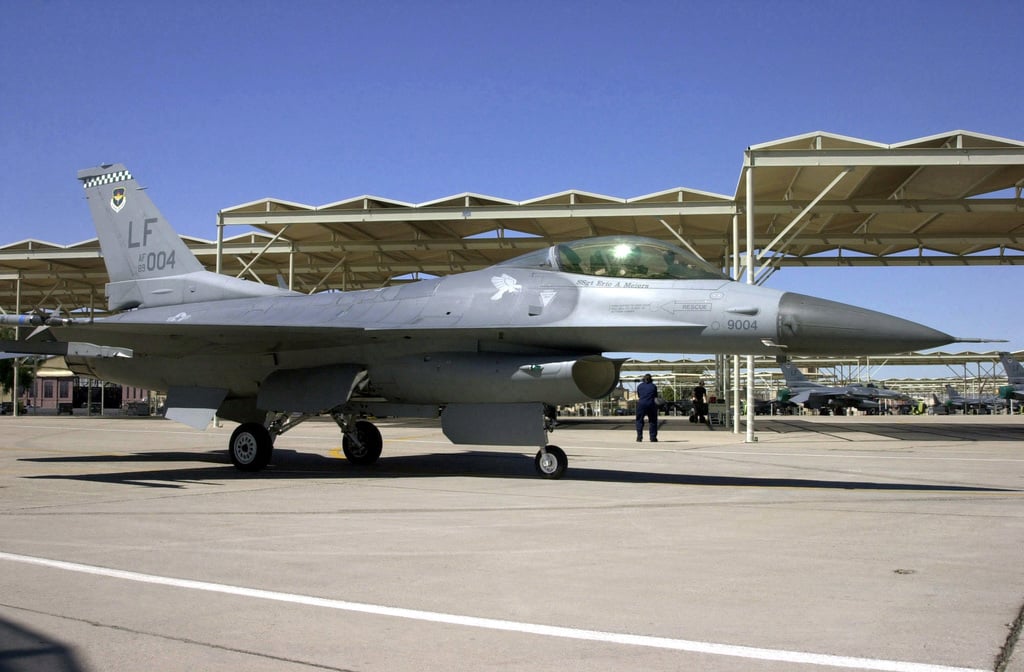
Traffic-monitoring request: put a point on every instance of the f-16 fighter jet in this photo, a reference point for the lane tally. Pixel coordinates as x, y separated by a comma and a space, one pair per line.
801, 390
485, 349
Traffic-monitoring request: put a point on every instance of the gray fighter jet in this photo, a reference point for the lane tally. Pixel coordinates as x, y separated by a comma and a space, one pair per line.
1015, 377
801, 390
485, 349
984, 403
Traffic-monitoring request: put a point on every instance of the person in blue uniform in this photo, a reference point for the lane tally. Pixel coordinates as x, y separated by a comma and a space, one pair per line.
647, 407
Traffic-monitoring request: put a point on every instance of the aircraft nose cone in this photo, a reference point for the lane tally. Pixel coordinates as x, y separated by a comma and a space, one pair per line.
809, 325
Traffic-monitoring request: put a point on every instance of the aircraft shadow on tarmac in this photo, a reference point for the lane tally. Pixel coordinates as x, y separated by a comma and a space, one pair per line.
926, 430
24, 650
294, 465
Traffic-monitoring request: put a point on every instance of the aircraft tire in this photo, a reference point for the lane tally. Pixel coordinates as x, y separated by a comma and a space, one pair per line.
367, 447
251, 447
551, 462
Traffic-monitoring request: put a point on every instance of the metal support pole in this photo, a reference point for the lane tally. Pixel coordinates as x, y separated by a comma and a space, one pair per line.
750, 280
736, 358
17, 337
291, 268
220, 242
722, 365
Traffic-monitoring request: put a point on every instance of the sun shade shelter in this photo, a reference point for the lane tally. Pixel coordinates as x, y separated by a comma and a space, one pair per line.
810, 200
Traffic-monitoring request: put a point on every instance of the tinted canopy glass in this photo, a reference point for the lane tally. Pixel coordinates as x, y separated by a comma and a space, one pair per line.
620, 257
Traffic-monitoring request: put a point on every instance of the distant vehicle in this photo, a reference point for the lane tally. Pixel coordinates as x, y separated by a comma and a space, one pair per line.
485, 349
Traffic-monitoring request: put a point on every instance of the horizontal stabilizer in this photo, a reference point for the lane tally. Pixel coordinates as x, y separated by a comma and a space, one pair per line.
54, 348
800, 398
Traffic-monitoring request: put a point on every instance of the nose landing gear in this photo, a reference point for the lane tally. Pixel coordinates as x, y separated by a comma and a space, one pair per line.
551, 462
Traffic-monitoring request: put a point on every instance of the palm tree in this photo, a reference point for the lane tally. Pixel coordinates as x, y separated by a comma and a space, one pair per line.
26, 369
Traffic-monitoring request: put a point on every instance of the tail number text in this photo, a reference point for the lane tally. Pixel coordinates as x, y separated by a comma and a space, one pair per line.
156, 261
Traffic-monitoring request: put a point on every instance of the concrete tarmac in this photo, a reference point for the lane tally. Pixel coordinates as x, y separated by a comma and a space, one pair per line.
873, 543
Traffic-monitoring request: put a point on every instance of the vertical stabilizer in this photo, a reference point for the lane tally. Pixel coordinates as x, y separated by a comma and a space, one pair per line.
148, 263
137, 241
1014, 369
794, 376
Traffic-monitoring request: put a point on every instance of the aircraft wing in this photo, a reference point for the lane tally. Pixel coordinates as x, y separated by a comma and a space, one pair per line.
172, 339
178, 338
866, 392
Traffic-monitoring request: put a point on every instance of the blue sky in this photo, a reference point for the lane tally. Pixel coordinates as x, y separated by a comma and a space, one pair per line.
216, 104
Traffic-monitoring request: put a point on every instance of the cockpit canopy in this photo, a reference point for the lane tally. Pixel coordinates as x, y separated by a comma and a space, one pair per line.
620, 257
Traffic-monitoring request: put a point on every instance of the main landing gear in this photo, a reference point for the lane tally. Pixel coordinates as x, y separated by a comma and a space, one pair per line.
361, 441
252, 444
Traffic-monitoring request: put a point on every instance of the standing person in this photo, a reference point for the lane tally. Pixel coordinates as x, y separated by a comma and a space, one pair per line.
700, 402
647, 407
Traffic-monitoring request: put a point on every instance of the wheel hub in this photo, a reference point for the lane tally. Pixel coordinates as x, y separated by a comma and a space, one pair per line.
245, 448
548, 463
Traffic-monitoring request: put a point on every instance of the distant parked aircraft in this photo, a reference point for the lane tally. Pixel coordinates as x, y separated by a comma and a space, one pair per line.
989, 402
801, 390
1015, 377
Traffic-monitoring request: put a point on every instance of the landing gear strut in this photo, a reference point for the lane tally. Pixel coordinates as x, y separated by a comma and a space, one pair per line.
361, 441
551, 461
252, 443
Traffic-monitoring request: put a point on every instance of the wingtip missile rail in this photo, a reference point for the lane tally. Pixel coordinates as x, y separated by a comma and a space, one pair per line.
34, 320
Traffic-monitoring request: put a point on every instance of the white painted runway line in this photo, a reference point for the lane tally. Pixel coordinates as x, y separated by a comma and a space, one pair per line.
797, 657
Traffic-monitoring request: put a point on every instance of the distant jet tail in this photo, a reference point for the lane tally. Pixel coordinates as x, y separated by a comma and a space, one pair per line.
953, 393
794, 376
1014, 369
148, 263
